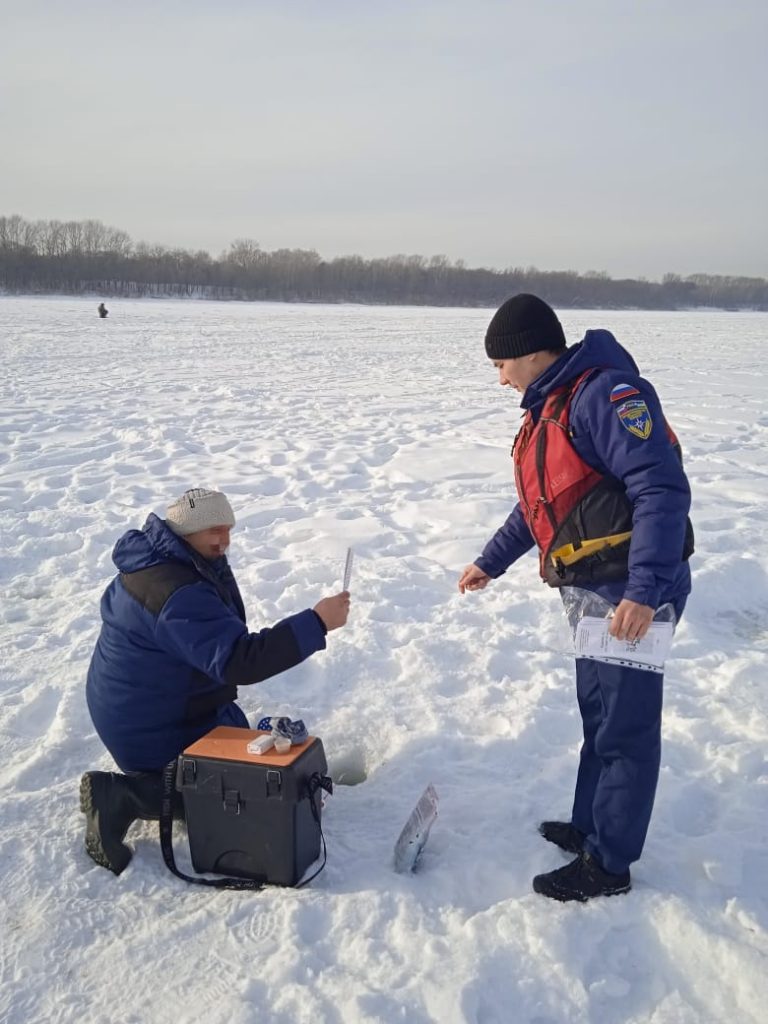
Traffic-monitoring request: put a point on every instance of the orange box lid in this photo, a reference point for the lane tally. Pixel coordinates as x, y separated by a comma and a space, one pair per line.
227, 743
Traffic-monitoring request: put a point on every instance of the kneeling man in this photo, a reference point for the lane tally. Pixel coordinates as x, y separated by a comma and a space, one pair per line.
173, 649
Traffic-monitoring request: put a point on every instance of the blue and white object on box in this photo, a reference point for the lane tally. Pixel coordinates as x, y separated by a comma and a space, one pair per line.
413, 838
295, 731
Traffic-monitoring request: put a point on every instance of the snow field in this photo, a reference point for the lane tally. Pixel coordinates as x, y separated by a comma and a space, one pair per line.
383, 429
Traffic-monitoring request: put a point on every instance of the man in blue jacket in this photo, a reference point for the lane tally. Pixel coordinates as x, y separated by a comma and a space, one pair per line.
172, 651
603, 496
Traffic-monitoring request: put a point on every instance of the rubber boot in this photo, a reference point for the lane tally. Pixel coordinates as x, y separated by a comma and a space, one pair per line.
111, 803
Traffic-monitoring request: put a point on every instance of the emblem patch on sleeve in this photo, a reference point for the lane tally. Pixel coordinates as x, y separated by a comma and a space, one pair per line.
636, 417
623, 391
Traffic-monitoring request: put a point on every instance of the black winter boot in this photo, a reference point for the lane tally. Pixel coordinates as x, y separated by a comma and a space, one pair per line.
580, 880
563, 834
111, 803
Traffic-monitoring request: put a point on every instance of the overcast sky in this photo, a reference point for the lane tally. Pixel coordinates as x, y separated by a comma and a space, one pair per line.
629, 137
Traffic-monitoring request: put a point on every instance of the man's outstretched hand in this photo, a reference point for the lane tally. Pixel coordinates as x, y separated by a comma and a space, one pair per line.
473, 579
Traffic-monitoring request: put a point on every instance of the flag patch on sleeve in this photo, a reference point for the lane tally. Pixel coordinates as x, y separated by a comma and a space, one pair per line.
636, 417
623, 391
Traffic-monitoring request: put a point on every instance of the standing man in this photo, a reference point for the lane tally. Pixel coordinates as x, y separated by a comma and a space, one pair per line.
603, 495
173, 649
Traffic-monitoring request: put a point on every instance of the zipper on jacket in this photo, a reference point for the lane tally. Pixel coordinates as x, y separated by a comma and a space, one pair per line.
541, 450
516, 463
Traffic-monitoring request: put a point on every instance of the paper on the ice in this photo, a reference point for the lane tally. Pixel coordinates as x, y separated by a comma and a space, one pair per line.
413, 838
593, 640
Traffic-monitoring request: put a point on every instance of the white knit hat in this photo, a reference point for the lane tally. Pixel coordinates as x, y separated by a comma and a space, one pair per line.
199, 509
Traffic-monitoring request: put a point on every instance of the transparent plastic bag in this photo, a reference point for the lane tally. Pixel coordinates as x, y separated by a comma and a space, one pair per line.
583, 609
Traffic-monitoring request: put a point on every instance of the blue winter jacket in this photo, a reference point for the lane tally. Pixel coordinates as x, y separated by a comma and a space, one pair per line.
649, 468
174, 647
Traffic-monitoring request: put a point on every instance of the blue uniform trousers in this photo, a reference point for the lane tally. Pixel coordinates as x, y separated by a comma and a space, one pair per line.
619, 765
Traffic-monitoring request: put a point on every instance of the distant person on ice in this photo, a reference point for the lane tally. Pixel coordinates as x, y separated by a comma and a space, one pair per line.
594, 460
173, 649
103, 311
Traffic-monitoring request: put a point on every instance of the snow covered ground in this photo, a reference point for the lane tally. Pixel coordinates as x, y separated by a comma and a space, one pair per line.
383, 428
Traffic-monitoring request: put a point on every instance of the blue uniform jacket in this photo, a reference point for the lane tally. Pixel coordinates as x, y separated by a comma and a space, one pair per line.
649, 469
174, 647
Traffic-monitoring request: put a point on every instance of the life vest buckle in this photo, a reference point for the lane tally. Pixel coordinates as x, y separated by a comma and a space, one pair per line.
598, 547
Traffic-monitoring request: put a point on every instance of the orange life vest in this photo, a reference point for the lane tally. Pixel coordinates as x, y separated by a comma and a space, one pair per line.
569, 506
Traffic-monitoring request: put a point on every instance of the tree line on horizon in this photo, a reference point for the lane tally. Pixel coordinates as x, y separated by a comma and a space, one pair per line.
87, 257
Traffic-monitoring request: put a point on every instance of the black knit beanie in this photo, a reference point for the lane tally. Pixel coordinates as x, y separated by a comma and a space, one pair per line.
523, 324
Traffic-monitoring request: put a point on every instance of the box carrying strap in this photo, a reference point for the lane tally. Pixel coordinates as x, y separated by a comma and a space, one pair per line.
315, 782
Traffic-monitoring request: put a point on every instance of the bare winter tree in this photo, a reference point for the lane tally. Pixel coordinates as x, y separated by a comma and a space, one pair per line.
90, 257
